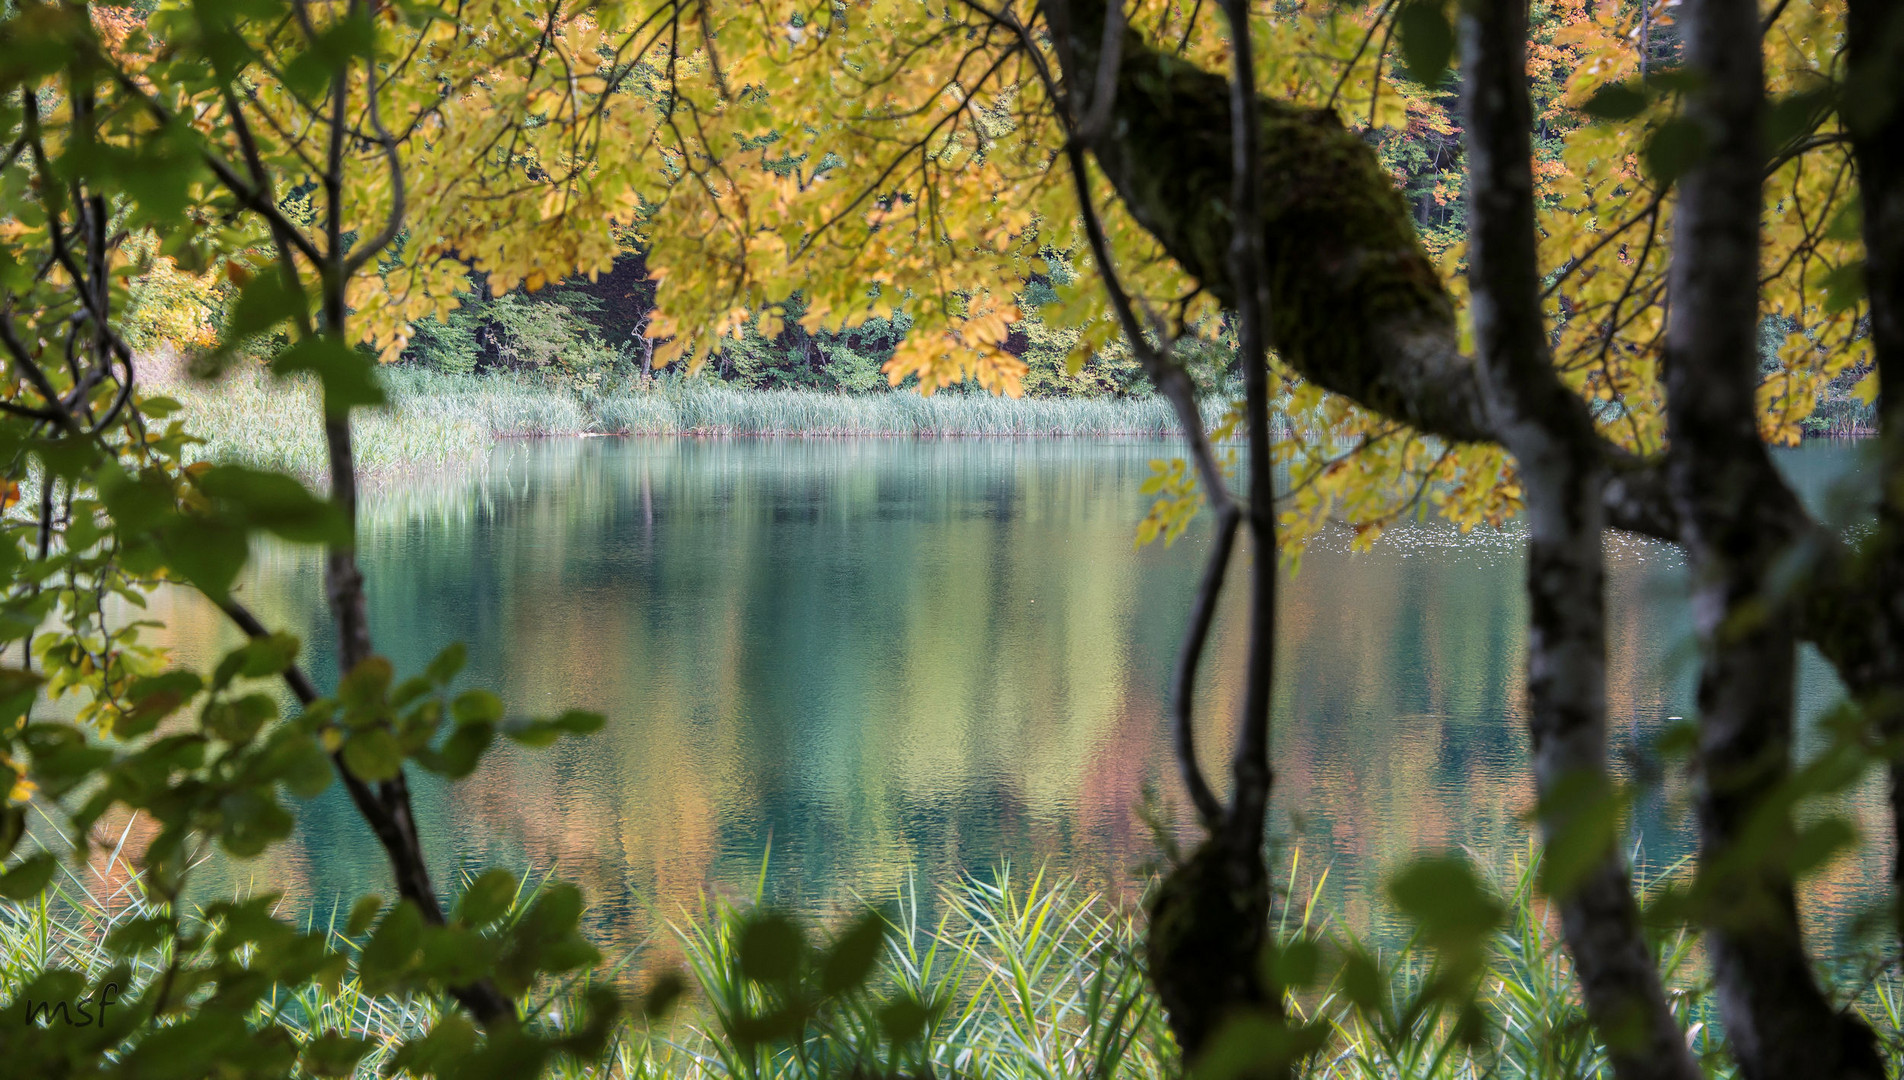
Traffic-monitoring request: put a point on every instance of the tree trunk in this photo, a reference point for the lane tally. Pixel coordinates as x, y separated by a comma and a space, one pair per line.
1873, 113
1355, 304
1209, 921
1547, 428
1778, 1023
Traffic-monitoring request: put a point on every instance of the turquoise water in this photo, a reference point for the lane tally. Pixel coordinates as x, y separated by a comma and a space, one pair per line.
881, 661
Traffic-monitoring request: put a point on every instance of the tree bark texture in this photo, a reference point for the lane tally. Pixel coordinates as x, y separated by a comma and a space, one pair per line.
1873, 113
1354, 302
1547, 428
1209, 924
1778, 1022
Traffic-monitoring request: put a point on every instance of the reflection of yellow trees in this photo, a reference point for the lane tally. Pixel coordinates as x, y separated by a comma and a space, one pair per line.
874, 670
906, 658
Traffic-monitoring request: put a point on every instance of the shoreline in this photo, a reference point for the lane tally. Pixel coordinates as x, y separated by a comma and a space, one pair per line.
434, 420
707, 433
437, 422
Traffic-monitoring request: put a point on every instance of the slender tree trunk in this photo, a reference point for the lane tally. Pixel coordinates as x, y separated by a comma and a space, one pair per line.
1209, 921
1778, 1022
1548, 430
1873, 112
386, 808
1251, 766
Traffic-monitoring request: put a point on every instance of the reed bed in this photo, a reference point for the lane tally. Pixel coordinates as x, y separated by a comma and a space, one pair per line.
276, 424
1032, 978
435, 420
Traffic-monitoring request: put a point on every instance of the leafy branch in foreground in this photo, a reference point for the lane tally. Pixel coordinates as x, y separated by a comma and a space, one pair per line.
109, 141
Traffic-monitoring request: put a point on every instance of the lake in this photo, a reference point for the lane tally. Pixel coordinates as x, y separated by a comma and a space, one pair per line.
874, 662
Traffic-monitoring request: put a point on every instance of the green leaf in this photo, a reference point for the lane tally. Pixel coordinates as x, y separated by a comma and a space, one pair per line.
533, 733
1848, 223
331, 1054
1617, 101
461, 752
773, 1026
850, 961
238, 721
445, 1051
1675, 146
1789, 118
372, 754
181, 685
578, 722
546, 732
300, 763
488, 898
1677, 80
248, 922
158, 408
1295, 965
362, 691
447, 663
1427, 40
771, 945
476, 707
1844, 287
136, 503
1443, 895
904, 1019
264, 302
348, 376
393, 949
363, 913
206, 552
253, 821
12, 827
258, 658
67, 458
1362, 981
17, 690
1583, 813
1819, 842
276, 503
28, 877
155, 698
139, 935
409, 690
40, 40
330, 53
663, 994
456, 955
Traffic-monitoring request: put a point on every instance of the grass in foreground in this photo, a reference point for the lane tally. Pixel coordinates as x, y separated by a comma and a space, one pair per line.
1017, 979
439, 420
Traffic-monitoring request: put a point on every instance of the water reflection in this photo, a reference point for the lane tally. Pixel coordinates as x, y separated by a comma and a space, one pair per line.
891, 659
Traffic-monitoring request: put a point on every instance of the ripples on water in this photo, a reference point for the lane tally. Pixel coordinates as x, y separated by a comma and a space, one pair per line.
893, 660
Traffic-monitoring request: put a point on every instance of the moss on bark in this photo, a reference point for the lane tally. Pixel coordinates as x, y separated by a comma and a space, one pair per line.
1208, 924
1357, 305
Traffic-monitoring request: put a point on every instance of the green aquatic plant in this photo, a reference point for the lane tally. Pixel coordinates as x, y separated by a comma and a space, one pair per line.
1010, 976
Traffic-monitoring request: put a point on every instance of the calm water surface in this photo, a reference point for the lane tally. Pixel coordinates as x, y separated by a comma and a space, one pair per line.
889, 660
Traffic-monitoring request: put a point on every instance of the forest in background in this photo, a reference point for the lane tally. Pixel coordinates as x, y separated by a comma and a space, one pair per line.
589, 333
